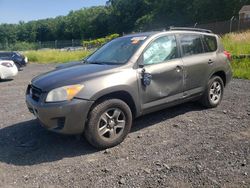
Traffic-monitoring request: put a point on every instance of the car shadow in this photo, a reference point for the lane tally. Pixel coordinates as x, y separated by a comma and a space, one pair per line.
6, 80
28, 143
169, 113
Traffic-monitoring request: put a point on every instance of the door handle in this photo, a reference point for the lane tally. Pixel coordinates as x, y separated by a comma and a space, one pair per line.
178, 68
210, 62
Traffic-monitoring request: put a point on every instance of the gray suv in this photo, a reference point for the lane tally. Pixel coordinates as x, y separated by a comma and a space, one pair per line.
129, 77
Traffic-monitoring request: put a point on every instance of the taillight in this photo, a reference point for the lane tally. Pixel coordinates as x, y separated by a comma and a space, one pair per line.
7, 64
228, 55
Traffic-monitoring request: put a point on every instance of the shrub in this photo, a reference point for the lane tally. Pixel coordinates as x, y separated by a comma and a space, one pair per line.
99, 42
237, 43
22, 46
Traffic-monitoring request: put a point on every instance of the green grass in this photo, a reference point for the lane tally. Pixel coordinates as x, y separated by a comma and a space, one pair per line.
55, 56
241, 69
239, 44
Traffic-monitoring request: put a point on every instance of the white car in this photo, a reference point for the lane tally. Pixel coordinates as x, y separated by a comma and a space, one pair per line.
8, 69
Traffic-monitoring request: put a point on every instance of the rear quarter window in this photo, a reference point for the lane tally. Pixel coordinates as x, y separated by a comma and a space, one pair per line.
210, 43
5, 54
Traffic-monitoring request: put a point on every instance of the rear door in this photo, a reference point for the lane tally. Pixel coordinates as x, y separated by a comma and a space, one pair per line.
196, 63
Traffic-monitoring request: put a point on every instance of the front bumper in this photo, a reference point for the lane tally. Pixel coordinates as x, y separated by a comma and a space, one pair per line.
63, 117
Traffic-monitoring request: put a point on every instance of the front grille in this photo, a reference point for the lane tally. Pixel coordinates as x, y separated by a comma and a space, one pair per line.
35, 93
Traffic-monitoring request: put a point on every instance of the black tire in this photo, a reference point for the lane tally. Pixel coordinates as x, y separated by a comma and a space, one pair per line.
18, 66
207, 98
101, 115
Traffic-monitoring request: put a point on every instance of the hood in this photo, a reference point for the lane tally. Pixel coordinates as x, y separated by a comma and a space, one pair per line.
71, 75
70, 64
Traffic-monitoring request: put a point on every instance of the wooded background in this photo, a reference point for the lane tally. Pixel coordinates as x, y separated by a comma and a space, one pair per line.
121, 16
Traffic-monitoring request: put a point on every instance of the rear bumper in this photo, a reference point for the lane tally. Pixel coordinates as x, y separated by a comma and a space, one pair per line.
64, 117
26, 60
229, 76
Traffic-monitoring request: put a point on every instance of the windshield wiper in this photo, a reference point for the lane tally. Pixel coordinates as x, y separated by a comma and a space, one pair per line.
84, 61
99, 63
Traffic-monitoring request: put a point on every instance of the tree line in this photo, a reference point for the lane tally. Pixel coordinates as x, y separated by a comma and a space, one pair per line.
121, 16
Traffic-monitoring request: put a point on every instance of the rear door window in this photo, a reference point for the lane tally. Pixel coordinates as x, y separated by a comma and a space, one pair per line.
3, 55
210, 43
191, 44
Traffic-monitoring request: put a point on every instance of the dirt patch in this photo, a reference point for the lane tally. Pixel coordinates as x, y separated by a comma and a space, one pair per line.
184, 146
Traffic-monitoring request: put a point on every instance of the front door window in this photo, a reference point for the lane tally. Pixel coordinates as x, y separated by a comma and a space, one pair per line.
161, 50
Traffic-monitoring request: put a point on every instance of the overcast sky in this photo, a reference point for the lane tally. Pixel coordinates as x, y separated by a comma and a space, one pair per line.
13, 11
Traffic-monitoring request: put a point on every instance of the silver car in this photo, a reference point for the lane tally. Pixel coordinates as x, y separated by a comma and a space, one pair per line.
129, 77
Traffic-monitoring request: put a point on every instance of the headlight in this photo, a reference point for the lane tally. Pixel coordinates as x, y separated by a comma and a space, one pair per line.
64, 93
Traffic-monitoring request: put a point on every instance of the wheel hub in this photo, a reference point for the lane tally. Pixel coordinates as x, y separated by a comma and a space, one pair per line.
111, 123
216, 91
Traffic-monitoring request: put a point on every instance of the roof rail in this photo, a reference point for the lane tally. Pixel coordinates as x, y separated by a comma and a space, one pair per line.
189, 29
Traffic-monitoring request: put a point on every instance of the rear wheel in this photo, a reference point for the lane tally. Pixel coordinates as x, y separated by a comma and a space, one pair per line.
109, 123
213, 93
18, 66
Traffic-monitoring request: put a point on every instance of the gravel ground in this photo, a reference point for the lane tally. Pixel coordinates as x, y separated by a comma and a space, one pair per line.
184, 146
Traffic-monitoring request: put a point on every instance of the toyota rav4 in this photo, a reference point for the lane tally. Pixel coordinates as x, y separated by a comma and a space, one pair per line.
129, 77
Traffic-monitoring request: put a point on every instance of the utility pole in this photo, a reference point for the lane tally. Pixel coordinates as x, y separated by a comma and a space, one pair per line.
55, 44
7, 44
231, 24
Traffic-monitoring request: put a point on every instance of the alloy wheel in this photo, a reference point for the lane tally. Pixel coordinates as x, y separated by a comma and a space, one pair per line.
111, 124
215, 92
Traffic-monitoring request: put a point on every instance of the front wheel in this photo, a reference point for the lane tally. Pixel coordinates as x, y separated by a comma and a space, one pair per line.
213, 93
109, 123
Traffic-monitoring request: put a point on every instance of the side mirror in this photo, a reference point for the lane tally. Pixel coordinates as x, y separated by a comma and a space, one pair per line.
146, 78
141, 62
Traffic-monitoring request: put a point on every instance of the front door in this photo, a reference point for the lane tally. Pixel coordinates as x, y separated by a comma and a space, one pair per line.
161, 73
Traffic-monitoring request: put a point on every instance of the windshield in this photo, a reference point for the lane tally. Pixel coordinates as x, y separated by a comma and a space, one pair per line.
118, 51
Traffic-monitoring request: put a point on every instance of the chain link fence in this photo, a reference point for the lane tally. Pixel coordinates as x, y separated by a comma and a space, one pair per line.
66, 44
224, 27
